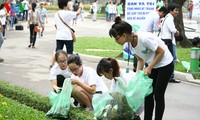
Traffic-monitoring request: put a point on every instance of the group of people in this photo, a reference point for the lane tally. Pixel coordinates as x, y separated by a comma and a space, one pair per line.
112, 10
157, 51
85, 80
35, 14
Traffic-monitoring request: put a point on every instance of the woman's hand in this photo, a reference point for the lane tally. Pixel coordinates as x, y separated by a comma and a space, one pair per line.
115, 78
74, 81
147, 71
57, 89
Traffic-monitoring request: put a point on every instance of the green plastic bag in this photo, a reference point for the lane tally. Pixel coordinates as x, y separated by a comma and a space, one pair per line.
60, 101
124, 101
138, 88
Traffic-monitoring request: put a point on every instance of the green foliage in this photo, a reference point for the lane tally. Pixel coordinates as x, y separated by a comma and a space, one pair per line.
25, 96
13, 110
36, 101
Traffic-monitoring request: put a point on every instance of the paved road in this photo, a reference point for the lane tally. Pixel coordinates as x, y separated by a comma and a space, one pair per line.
28, 67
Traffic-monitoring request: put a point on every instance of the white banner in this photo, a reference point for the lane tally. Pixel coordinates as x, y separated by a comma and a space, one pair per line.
136, 11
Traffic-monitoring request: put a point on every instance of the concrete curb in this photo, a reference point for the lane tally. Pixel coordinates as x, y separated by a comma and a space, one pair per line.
178, 75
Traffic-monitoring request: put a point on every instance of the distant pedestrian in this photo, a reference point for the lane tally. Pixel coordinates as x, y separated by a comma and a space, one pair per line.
114, 11
34, 18
82, 16
25, 4
106, 10
12, 15
75, 10
95, 10
191, 8
1, 39
43, 17
119, 9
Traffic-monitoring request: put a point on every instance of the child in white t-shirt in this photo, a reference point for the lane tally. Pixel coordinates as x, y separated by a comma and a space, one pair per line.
59, 71
86, 82
109, 67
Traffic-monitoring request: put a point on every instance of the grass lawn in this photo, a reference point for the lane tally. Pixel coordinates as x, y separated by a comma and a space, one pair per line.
13, 110
106, 47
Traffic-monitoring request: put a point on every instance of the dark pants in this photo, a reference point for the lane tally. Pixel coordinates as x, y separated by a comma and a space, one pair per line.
4, 29
68, 43
32, 35
60, 80
169, 44
25, 12
160, 78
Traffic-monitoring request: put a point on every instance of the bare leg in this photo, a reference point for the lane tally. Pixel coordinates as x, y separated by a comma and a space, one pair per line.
53, 59
82, 96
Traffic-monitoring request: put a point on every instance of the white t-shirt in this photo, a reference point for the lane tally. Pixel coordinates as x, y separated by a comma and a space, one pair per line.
3, 19
90, 77
34, 17
146, 47
63, 32
95, 7
151, 22
25, 3
43, 14
125, 76
168, 28
55, 70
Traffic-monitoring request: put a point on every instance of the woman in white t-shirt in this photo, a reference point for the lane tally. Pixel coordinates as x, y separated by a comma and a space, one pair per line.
86, 82
59, 71
151, 50
63, 33
109, 67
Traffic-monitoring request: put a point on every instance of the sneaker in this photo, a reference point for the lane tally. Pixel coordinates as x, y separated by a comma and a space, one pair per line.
89, 109
174, 81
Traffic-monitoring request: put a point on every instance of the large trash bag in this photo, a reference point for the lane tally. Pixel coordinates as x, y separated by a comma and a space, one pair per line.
124, 101
138, 88
112, 106
60, 101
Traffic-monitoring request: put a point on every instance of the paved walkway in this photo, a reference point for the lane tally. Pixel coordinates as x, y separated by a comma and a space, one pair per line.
28, 67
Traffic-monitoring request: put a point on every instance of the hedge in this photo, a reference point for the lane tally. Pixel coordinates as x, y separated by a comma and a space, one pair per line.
37, 101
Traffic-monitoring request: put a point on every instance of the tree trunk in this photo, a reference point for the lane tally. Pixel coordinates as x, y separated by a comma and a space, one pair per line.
179, 23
